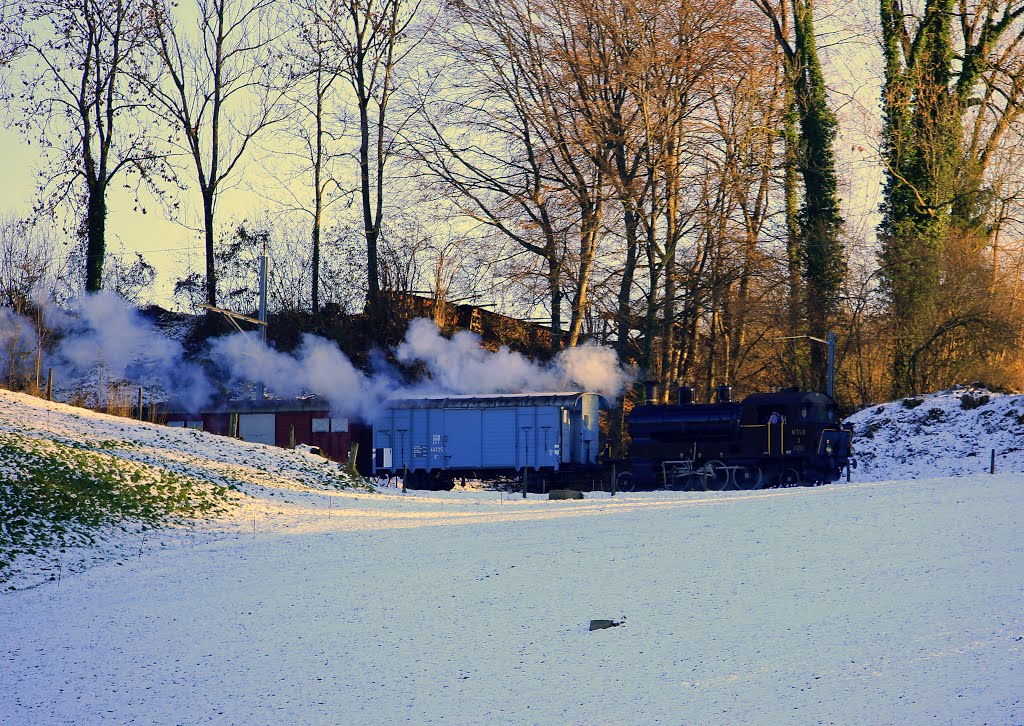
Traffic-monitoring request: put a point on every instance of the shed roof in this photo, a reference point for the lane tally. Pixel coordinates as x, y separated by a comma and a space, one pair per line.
255, 405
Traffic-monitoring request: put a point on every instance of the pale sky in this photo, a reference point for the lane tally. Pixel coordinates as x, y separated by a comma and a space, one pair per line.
163, 243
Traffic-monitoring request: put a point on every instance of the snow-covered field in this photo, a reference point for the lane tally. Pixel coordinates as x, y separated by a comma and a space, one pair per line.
870, 602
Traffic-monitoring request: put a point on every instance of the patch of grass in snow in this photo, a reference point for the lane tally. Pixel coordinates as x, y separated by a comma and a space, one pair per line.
56, 494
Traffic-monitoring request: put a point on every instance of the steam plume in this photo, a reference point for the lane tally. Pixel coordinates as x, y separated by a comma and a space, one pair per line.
317, 367
108, 342
462, 365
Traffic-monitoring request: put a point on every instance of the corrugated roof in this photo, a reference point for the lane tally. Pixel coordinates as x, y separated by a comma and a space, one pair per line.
495, 400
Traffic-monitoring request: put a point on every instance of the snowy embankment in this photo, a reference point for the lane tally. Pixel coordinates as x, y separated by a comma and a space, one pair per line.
880, 602
951, 433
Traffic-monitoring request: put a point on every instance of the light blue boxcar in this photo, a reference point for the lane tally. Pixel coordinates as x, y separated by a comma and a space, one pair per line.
438, 438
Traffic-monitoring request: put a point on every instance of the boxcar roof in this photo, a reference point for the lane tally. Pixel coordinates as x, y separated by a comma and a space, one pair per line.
495, 400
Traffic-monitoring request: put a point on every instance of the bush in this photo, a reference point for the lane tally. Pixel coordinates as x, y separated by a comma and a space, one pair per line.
969, 402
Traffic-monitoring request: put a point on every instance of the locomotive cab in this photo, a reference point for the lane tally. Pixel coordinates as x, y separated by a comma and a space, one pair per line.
799, 434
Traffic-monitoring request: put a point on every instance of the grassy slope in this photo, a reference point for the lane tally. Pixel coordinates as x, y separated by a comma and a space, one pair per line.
71, 478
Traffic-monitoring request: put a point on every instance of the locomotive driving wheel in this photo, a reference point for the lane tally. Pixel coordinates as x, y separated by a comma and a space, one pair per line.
720, 478
790, 477
624, 482
749, 477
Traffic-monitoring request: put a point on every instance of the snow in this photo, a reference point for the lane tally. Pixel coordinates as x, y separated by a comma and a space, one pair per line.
884, 601
940, 435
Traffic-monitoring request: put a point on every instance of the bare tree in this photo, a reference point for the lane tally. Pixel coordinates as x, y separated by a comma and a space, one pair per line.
33, 276
372, 39
486, 145
316, 127
82, 98
219, 87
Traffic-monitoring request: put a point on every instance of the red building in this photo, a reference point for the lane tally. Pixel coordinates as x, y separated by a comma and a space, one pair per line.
284, 423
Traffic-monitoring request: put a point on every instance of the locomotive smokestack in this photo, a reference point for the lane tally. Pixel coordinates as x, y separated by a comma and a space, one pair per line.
651, 392
685, 395
724, 394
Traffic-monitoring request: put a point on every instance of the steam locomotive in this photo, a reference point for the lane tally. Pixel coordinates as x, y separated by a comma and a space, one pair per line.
549, 440
784, 438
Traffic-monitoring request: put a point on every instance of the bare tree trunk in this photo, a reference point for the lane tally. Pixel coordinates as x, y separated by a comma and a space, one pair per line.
673, 191
555, 293
95, 243
371, 226
590, 229
318, 193
211, 269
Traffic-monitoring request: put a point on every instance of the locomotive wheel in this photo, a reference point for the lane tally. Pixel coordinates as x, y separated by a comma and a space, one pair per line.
790, 477
624, 482
719, 480
749, 477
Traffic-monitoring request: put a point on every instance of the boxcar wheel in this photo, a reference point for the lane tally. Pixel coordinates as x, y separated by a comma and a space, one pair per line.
418, 479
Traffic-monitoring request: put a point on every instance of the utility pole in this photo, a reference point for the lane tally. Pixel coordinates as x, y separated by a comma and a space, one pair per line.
261, 321
263, 310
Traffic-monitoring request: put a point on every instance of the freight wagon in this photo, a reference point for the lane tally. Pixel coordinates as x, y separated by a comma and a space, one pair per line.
431, 441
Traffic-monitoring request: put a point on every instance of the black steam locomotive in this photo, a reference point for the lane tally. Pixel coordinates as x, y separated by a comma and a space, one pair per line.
785, 438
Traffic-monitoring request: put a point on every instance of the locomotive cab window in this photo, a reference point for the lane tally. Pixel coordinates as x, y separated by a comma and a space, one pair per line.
804, 411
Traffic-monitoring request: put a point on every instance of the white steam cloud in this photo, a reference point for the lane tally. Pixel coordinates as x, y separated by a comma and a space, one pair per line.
462, 365
107, 342
317, 367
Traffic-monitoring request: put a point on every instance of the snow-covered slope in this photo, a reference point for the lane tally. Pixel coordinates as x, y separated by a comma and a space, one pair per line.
863, 603
950, 433
239, 481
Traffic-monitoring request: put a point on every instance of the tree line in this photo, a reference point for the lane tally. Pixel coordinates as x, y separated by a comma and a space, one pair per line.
661, 177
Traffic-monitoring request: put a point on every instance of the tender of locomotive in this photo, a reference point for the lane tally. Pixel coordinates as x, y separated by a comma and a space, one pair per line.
768, 439
434, 440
